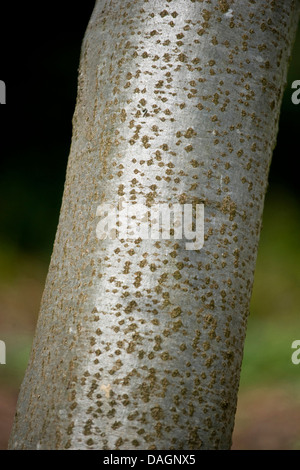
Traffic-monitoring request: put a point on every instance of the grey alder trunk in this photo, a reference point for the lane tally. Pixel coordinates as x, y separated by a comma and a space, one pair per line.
139, 342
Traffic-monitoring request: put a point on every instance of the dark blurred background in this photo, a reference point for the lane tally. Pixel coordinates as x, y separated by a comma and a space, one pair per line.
40, 47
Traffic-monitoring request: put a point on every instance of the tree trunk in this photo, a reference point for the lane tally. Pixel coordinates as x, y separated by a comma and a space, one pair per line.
139, 342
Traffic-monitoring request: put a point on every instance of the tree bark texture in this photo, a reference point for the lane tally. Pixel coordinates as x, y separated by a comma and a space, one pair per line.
139, 343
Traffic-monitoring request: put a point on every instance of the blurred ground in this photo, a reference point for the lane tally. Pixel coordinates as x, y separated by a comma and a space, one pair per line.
8, 400
267, 419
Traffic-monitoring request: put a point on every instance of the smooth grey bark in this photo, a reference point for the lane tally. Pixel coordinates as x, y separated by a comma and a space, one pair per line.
139, 342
